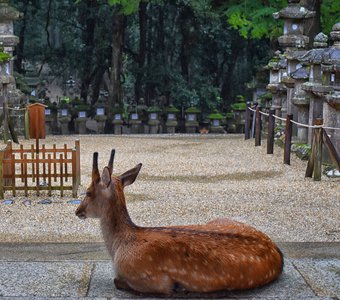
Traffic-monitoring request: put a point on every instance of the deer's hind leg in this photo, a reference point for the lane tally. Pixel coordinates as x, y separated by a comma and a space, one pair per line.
155, 284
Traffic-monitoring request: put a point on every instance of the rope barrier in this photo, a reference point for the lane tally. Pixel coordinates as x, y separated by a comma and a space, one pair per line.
13, 108
296, 123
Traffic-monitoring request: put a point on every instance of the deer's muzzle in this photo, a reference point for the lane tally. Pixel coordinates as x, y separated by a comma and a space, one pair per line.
80, 214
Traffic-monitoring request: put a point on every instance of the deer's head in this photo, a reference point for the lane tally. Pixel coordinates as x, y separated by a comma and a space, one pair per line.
105, 190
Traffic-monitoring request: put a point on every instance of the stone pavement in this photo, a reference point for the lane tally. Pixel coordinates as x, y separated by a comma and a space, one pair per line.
45, 271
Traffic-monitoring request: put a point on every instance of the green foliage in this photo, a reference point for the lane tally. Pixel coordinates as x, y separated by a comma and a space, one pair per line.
253, 19
4, 57
193, 109
127, 6
239, 106
329, 14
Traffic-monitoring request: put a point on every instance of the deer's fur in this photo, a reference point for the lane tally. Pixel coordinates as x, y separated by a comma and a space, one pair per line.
220, 255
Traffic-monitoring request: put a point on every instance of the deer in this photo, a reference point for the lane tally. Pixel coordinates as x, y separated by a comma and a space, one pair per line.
221, 255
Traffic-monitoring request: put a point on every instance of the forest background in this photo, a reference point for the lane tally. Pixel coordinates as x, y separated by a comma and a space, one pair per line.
200, 52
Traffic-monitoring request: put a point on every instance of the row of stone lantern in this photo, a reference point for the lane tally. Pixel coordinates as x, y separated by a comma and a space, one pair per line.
306, 83
152, 120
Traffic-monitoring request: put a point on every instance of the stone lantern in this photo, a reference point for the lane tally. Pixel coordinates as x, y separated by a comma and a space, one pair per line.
331, 81
135, 120
239, 109
153, 120
314, 86
80, 121
191, 119
64, 118
8, 42
277, 68
100, 116
171, 119
293, 41
216, 122
301, 100
51, 118
118, 120
294, 16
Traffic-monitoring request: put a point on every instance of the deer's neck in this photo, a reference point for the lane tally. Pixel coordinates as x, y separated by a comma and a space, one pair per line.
116, 225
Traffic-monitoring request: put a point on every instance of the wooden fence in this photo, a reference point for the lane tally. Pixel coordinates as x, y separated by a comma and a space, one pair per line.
320, 139
39, 168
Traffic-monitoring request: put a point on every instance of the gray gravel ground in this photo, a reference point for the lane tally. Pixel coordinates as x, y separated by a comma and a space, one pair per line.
187, 179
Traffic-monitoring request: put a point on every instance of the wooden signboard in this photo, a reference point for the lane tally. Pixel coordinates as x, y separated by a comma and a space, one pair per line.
37, 120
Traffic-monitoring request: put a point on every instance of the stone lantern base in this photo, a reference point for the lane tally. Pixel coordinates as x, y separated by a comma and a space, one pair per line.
117, 126
80, 124
136, 126
101, 123
191, 126
171, 126
217, 129
154, 127
64, 125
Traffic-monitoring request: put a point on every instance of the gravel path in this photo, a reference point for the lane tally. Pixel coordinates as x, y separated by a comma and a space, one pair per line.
188, 179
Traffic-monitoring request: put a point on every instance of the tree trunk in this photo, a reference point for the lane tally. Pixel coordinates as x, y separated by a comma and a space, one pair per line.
312, 25
236, 46
19, 50
143, 22
88, 20
118, 30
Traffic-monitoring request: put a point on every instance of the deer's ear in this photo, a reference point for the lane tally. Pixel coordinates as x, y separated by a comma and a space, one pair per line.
106, 176
130, 176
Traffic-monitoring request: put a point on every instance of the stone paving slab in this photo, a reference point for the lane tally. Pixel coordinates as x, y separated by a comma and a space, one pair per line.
84, 271
94, 280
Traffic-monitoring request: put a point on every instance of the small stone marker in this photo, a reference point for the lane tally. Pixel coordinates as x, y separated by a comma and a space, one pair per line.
45, 201
27, 202
75, 201
7, 201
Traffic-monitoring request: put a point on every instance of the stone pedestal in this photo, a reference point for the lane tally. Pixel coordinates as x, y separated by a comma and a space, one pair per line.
80, 125
154, 126
170, 126
136, 126
63, 121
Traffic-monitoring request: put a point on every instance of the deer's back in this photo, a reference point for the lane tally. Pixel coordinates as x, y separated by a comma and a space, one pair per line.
211, 257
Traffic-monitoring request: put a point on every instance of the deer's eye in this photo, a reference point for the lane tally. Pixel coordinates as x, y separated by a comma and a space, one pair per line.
88, 194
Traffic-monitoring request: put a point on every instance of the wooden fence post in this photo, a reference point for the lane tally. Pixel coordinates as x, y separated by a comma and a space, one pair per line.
318, 150
258, 127
271, 127
247, 123
77, 144
288, 139
1, 174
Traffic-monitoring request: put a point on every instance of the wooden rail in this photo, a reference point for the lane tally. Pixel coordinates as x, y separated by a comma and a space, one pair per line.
39, 169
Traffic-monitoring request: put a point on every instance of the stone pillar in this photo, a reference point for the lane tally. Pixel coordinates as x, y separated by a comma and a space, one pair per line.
8, 41
331, 72
313, 57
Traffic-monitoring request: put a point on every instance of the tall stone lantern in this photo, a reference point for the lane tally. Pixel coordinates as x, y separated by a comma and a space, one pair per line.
294, 42
314, 86
277, 69
8, 41
331, 79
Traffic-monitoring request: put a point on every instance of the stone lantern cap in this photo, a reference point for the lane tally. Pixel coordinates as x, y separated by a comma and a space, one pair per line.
320, 40
294, 11
313, 56
335, 33
295, 54
300, 74
8, 13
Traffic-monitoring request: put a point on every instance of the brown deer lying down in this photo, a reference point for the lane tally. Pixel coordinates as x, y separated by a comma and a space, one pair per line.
220, 255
